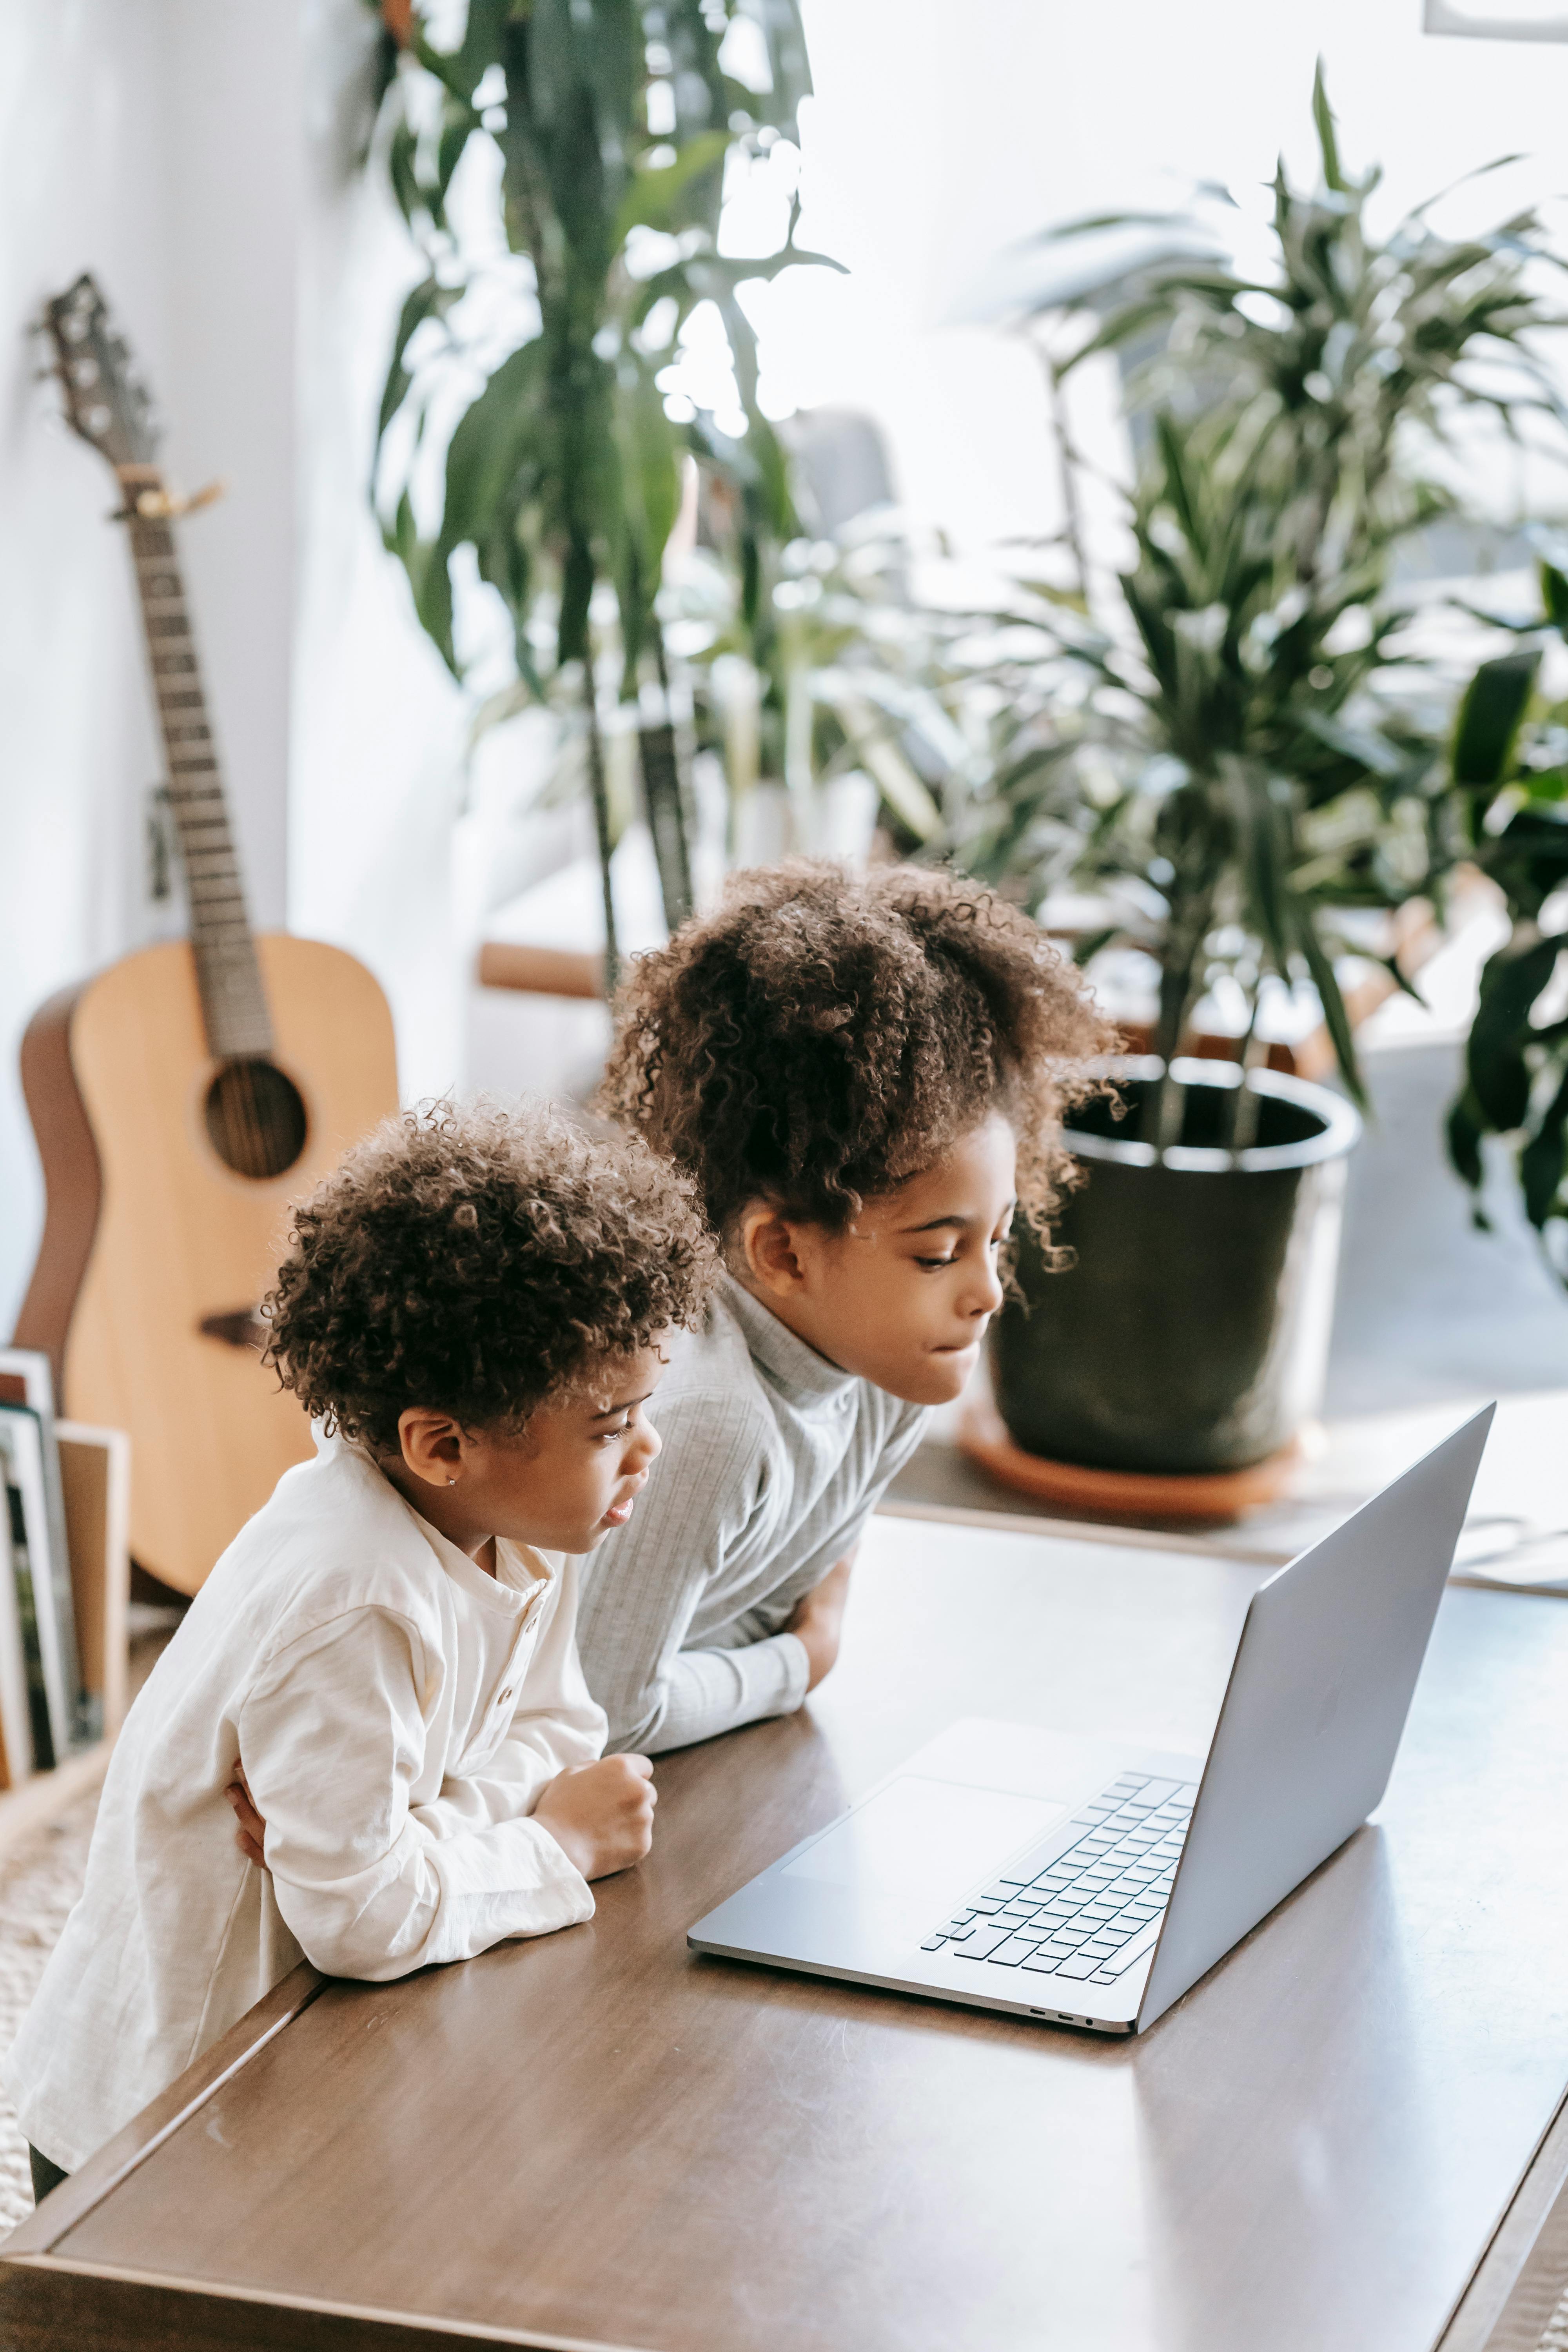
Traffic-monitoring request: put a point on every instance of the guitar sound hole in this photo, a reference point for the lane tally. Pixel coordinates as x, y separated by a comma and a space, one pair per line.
256, 1118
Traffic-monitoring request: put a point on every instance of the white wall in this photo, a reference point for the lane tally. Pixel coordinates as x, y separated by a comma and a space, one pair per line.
941, 132
155, 142
380, 728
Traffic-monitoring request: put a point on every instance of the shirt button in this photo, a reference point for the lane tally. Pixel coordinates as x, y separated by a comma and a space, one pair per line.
504, 1696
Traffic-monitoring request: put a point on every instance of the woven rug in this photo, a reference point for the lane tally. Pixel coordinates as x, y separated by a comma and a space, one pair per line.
39, 1885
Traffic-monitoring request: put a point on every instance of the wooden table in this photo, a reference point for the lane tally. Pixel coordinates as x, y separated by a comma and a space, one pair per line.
597, 2139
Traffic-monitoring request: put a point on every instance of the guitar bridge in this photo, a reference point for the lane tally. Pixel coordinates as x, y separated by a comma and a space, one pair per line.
242, 1329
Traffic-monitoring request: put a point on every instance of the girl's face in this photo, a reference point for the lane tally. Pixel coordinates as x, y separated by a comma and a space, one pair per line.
569, 1478
904, 1297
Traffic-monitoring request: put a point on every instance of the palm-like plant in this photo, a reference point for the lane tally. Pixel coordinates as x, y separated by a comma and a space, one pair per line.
1213, 764
1230, 752
609, 126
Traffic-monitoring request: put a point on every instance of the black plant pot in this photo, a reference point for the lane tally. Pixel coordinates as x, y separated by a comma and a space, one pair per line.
1190, 1332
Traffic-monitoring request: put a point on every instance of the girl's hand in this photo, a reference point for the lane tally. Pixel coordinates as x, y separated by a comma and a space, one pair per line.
818, 1620
251, 1835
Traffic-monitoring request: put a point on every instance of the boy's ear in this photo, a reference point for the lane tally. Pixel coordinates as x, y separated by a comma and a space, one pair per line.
431, 1445
768, 1250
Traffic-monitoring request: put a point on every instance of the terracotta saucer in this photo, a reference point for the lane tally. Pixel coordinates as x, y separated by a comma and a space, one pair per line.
1120, 1494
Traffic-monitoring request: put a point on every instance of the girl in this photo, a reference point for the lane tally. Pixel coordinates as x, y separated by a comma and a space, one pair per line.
864, 1078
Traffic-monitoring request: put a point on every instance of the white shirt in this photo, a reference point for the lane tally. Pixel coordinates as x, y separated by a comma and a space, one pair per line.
398, 1714
773, 1460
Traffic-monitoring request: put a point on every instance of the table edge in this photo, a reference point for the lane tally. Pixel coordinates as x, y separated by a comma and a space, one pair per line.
81, 2191
1478, 2318
468, 2331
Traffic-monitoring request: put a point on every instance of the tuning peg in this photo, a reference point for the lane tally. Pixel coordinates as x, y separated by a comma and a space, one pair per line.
163, 506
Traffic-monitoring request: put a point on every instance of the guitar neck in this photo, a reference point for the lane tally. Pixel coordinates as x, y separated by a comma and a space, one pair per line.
229, 975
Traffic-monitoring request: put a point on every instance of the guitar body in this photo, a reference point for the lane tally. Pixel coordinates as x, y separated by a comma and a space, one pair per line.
149, 1235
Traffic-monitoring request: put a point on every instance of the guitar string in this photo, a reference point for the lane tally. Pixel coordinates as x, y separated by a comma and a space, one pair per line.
252, 1125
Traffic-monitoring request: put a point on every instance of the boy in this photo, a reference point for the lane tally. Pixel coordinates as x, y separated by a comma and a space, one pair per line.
380, 1674
864, 1078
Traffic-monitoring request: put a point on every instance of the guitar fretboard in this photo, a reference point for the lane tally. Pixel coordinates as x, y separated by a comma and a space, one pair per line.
234, 1001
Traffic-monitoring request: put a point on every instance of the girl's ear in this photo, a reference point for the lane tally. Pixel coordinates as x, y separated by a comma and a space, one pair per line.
431, 1445
769, 1251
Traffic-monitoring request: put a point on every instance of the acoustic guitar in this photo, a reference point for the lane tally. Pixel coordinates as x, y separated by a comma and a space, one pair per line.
185, 1096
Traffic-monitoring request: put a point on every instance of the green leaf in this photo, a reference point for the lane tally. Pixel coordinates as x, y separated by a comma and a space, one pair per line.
1495, 1063
1336, 1020
431, 584
647, 447
402, 150
1359, 744
1555, 594
654, 197
430, 299
1544, 1162
510, 415
1486, 731
1462, 1132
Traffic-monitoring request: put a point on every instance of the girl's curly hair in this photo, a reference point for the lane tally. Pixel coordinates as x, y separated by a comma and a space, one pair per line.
480, 1261
823, 1036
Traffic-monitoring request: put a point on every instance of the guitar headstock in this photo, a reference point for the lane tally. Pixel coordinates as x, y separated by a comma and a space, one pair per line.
104, 401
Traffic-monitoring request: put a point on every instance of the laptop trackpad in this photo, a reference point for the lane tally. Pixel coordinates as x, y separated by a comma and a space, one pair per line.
926, 1840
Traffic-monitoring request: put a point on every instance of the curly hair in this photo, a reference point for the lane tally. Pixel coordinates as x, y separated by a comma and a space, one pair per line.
823, 1036
480, 1261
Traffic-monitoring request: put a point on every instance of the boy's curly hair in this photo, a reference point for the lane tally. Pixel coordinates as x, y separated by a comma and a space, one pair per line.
480, 1261
823, 1036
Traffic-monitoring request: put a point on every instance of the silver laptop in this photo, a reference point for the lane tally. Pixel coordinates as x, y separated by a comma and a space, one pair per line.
1090, 1884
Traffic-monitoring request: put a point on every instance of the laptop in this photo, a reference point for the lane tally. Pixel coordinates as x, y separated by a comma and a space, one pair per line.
1092, 1883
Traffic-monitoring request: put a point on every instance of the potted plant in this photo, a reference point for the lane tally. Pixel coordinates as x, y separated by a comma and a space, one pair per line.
1207, 742
605, 132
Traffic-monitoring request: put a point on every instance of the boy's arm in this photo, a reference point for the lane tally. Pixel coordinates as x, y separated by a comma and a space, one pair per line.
648, 1581
332, 1735
559, 1726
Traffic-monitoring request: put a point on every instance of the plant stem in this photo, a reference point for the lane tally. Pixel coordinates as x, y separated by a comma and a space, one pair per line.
1067, 468
664, 801
1181, 978
601, 799
1245, 1103
1166, 1107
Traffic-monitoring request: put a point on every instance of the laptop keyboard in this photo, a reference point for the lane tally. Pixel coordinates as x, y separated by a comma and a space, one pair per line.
1092, 1908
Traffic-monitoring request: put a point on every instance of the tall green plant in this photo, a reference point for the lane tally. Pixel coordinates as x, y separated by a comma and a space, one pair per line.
1214, 729
608, 125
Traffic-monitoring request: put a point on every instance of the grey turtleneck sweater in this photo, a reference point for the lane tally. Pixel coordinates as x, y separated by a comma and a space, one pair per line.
772, 1461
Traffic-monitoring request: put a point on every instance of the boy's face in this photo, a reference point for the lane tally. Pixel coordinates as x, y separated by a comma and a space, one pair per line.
562, 1484
905, 1295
